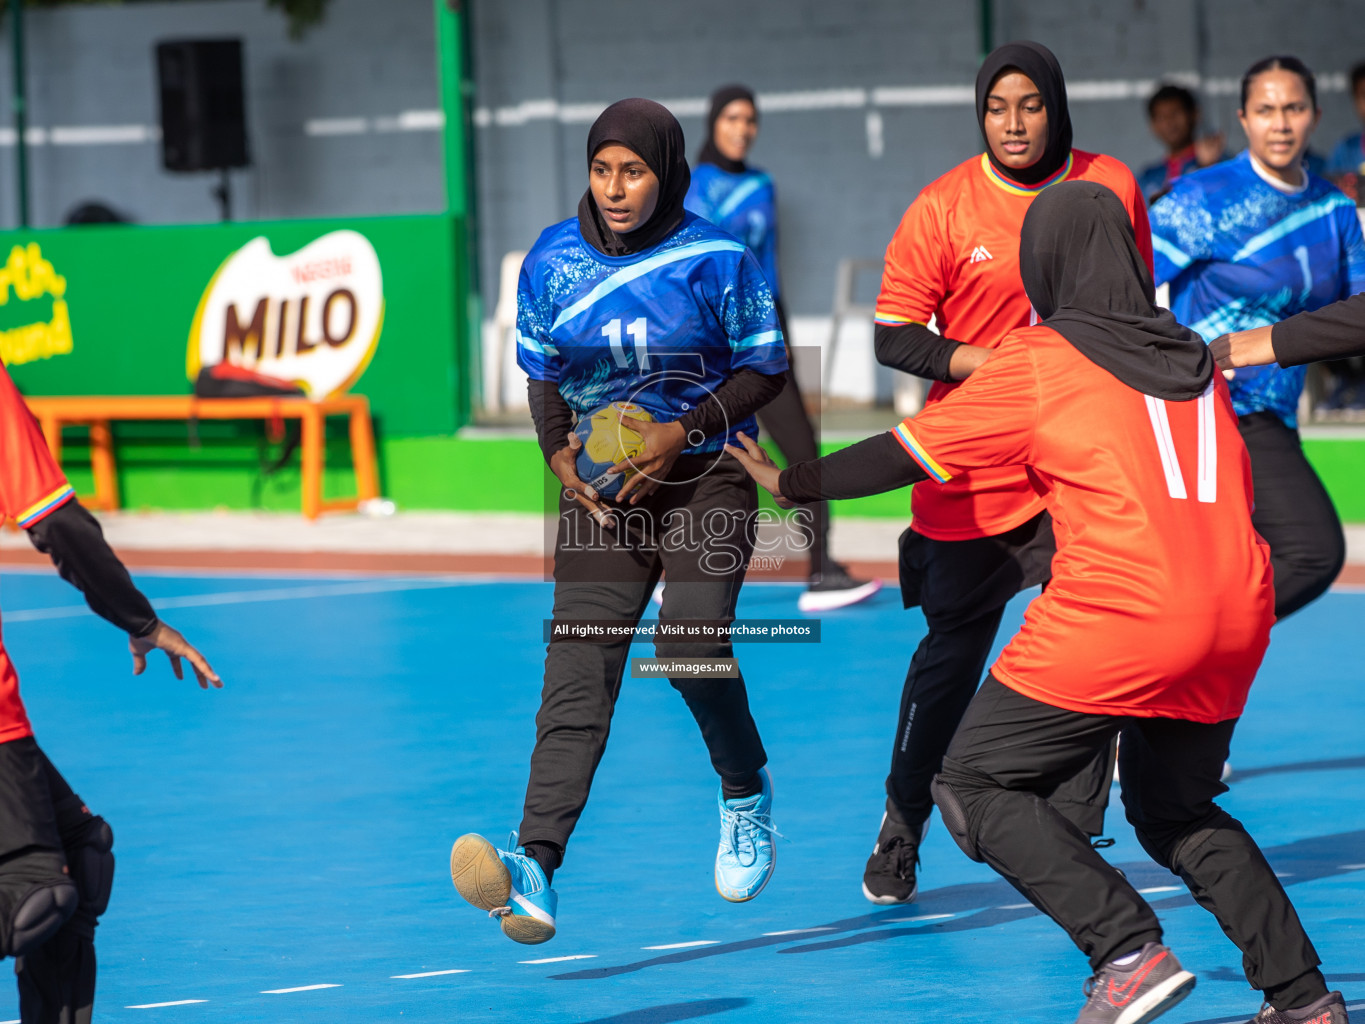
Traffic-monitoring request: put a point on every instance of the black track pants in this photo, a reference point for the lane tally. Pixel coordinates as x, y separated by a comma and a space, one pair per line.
39, 810
1008, 757
963, 587
1293, 513
605, 575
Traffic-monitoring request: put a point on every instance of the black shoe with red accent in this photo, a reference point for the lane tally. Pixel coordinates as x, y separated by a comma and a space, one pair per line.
1330, 1009
1137, 992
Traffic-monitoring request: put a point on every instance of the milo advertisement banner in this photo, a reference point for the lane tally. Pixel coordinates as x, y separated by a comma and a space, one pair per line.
361, 305
311, 317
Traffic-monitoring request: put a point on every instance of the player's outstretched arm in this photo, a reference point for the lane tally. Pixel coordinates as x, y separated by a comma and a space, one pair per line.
71, 537
872, 466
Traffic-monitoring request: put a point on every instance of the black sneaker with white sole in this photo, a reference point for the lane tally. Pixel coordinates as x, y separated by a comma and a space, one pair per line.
835, 587
1330, 1009
1137, 992
889, 877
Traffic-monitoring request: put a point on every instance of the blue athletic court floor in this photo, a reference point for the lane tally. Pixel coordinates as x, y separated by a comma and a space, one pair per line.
283, 843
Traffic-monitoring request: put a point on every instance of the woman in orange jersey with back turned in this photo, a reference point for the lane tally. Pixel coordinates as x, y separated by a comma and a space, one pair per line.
1154, 625
978, 541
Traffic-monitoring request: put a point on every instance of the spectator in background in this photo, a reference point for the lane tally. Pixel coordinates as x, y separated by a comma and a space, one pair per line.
739, 199
1173, 115
1346, 165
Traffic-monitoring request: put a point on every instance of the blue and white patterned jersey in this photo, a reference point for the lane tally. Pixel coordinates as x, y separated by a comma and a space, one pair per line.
1239, 253
744, 205
664, 327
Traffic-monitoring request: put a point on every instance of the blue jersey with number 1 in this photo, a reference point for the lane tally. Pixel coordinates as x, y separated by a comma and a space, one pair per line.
1240, 253
664, 327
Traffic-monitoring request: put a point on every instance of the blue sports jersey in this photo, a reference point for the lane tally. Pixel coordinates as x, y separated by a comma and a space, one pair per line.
1239, 253
744, 205
664, 327
1348, 157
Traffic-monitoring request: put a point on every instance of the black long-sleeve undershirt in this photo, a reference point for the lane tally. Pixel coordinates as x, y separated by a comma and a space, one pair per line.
552, 416
737, 398
871, 466
1336, 331
914, 349
72, 538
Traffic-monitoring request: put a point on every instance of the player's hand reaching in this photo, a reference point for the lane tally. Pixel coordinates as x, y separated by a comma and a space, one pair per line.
664, 442
176, 647
564, 464
759, 465
1242, 348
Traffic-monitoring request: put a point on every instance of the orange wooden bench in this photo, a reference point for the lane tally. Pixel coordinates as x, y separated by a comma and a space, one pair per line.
98, 411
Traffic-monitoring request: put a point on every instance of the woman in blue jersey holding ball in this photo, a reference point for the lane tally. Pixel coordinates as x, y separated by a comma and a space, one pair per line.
740, 200
1246, 243
637, 301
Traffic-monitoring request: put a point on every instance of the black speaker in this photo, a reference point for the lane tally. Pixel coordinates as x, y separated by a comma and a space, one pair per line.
203, 113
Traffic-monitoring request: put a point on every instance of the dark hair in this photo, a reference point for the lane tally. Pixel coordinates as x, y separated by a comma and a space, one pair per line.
1357, 76
1178, 93
1293, 64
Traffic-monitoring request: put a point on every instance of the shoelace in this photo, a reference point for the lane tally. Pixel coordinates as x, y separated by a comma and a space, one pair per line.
741, 824
899, 856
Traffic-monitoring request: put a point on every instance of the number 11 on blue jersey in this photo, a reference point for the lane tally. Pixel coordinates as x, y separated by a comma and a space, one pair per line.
637, 329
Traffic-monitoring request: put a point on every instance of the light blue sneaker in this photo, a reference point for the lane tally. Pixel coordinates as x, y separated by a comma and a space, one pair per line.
510, 886
745, 859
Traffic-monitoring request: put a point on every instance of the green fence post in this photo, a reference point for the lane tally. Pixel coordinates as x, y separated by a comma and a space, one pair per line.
452, 61
16, 36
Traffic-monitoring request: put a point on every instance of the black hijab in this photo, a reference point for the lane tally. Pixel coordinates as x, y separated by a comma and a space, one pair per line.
1087, 281
720, 99
647, 129
1036, 61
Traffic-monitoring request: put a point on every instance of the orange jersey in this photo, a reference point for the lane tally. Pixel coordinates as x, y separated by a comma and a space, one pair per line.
1161, 601
955, 256
31, 487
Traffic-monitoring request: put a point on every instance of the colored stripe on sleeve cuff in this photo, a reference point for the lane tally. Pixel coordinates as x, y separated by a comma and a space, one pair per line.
40, 509
894, 320
917, 452
757, 340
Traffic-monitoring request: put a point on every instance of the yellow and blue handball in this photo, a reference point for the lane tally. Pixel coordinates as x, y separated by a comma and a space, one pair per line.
607, 441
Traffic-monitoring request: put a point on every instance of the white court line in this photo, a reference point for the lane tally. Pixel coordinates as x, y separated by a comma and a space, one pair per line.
245, 597
157, 1006
300, 988
1160, 888
798, 931
686, 945
431, 974
1284, 874
922, 917
1352, 867
1017, 906
560, 959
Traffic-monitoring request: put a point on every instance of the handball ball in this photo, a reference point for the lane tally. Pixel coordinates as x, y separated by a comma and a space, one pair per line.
605, 443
